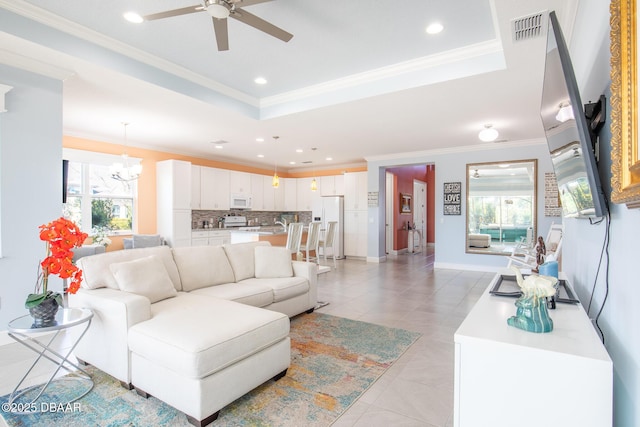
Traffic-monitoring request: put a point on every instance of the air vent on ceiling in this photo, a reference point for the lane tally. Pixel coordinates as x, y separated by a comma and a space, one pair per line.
528, 27
306, 162
220, 142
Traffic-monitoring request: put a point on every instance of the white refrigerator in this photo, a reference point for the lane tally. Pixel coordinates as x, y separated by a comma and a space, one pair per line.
331, 208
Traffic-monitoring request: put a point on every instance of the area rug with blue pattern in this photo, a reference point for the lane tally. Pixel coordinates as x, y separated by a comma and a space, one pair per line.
334, 360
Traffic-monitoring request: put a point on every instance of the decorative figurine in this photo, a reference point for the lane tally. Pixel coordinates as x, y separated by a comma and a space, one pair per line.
541, 251
532, 314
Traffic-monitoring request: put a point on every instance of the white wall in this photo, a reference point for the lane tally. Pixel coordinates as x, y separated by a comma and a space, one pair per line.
30, 184
450, 230
620, 317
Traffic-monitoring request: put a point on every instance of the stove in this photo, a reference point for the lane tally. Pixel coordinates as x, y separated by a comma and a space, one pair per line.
235, 221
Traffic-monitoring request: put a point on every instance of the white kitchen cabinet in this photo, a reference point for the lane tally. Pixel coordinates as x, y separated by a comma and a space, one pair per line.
505, 376
355, 191
304, 195
173, 183
214, 194
332, 185
195, 187
269, 194
290, 190
239, 182
210, 237
355, 233
173, 192
257, 192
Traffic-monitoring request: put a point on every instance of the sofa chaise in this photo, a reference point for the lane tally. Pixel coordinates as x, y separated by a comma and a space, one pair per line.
196, 327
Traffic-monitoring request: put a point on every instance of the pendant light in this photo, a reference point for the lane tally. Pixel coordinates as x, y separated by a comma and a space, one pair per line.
314, 183
275, 181
121, 171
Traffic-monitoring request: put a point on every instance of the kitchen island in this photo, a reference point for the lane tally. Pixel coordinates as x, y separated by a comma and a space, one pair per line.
276, 235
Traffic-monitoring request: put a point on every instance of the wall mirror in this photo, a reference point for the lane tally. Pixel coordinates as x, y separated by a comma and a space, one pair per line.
501, 206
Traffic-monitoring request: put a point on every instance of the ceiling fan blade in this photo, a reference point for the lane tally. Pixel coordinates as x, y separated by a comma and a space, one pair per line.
174, 12
243, 3
222, 33
260, 24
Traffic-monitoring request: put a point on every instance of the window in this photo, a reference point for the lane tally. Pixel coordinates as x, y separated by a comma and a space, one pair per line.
94, 199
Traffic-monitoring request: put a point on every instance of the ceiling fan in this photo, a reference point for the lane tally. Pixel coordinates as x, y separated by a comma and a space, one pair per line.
220, 10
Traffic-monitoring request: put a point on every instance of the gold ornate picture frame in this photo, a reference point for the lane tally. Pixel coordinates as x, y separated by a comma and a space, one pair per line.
625, 163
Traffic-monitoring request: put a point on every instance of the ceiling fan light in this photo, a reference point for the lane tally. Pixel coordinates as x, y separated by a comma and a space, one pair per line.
218, 11
488, 134
565, 113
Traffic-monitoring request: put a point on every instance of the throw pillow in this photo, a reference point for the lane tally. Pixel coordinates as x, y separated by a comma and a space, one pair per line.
146, 240
144, 276
273, 262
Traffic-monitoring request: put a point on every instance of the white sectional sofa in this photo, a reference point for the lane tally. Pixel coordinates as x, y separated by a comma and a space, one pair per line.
196, 327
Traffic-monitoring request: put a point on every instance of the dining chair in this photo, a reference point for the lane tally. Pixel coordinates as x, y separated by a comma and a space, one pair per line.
313, 240
294, 237
328, 241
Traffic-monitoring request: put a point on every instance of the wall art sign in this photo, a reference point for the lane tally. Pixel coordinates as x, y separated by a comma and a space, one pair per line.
552, 205
452, 198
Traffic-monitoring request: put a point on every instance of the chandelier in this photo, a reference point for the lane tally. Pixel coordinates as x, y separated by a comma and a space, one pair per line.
122, 171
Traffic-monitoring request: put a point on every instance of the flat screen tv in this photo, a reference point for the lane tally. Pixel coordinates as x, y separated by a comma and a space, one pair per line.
567, 132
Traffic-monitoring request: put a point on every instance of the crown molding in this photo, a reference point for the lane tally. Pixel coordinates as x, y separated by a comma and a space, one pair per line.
3, 91
395, 70
457, 150
33, 65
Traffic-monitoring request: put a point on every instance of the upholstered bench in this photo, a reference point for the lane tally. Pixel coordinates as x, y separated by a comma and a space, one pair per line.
202, 354
479, 240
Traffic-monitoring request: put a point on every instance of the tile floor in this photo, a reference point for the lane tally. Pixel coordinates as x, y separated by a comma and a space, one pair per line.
404, 292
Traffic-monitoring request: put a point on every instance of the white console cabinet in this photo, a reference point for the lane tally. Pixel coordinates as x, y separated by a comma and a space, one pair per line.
507, 377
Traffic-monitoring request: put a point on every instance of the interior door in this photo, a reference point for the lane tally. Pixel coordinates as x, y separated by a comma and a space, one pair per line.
388, 231
420, 209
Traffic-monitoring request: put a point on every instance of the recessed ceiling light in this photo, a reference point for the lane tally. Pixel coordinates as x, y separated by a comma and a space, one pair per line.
219, 147
260, 80
261, 155
133, 17
292, 163
299, 150
329, 158
435, 28
260, 139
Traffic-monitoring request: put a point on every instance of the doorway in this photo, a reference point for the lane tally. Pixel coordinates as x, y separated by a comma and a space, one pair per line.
420, 211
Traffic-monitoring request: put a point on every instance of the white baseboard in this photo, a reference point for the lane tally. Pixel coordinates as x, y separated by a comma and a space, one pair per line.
467, 267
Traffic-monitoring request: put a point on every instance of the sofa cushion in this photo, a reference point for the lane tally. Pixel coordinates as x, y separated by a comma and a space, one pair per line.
146, 240
144, 276
96, 273
202, 266
242, 258
283, 288
196, 337
272, 262
256, 294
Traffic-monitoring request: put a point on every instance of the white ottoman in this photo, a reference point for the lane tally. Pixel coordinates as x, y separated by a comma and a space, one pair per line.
198, 354
479, 240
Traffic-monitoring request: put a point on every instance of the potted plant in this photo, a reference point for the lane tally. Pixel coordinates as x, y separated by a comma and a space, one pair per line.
61, 236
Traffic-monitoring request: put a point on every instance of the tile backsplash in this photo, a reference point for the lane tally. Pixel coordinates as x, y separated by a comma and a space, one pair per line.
199, 217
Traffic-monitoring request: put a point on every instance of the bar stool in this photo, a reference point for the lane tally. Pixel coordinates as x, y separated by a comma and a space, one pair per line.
313, 240
329, 241
294, 237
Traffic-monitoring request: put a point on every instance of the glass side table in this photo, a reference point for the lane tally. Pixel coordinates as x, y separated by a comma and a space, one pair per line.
23, 331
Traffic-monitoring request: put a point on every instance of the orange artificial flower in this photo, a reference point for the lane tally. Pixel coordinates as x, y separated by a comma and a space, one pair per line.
61, 236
